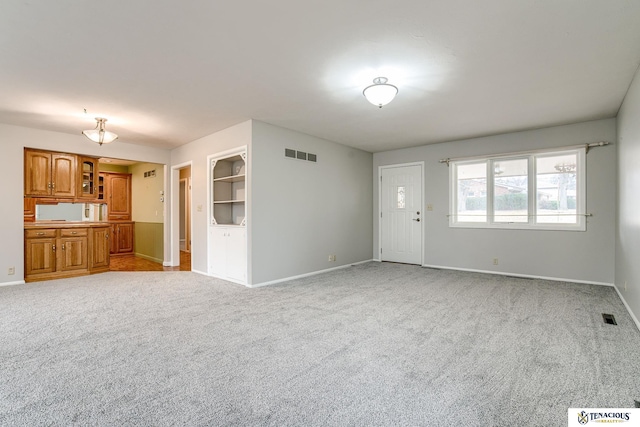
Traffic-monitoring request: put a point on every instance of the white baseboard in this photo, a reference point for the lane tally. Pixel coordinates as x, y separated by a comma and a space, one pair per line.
199, 272
633, 316
525, 276
313, 273
18, 282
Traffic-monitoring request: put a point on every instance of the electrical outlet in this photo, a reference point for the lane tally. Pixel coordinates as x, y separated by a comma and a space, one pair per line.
625, 286
429, 207
332, 258
495, 261
12, 271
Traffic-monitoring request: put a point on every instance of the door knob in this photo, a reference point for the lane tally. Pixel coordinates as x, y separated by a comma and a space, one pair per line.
417, 219
418, 213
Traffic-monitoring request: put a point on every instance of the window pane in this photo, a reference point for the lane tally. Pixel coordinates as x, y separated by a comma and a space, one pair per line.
472, 192
556, 189
510, 190
400, 197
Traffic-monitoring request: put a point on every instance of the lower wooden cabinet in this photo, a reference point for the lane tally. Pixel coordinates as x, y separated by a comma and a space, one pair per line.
99, 243
52, 253
122, 237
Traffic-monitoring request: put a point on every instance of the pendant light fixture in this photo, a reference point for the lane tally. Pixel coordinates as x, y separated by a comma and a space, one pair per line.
99, 134
380, 92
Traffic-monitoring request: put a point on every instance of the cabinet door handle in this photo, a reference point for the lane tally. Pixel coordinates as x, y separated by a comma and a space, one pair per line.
40, 233
74, 232
63, 246
106, 236
53, 248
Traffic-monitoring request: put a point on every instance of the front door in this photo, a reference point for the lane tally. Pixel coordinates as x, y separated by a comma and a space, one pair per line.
401, 214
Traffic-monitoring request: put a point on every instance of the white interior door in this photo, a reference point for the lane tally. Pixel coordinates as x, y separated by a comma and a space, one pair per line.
401, 214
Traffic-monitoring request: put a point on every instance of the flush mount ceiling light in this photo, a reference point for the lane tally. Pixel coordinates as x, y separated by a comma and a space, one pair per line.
98, 134
380, 92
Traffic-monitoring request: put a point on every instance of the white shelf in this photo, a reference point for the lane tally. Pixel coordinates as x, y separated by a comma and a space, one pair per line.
228, 177
232, 178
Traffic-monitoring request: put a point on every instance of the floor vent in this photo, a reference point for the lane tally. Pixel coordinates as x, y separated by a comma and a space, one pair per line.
609, 319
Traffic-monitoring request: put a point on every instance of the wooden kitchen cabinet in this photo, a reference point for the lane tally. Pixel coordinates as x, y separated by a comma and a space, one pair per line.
115, 190
54, 251
29, 209
40, 253
49, 174
87, 176
122, 238
100, 243
73, 249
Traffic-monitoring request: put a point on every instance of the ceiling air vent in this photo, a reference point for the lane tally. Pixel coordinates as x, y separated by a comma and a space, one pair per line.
312, 157
288, 152
301, 155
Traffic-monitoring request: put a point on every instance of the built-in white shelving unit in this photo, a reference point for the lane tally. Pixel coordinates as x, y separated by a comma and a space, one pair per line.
229, 175
227, 230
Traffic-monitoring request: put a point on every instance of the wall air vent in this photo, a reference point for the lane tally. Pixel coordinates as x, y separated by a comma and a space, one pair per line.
609, 319
300, 155
150, 174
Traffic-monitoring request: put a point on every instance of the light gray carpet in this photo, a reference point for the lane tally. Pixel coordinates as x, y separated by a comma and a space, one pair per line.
375, 344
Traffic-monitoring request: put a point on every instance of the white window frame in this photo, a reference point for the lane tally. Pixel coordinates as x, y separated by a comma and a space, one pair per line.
532, 224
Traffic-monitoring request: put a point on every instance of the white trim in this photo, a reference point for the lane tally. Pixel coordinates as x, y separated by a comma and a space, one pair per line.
422, 184
174, 239
524, 276
313, 273
633, 316
227, 279
19, 282
203, 273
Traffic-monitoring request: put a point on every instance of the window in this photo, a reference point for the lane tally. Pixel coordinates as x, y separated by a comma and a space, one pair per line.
542, 190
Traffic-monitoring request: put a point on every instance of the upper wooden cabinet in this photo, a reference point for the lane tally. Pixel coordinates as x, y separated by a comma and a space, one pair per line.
87, 178
115, 189
48, 174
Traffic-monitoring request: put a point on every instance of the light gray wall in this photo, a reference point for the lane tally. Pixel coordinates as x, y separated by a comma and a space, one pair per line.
301, 212
628, 224
13, 139
197, 152
581, 256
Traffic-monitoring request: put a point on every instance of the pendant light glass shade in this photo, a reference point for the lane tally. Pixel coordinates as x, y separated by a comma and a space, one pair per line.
380, 92
99, 134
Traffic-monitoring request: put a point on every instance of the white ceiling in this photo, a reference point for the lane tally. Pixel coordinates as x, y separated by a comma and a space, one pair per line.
168, 72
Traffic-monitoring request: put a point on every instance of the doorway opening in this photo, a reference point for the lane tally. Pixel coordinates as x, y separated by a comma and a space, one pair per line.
181, 217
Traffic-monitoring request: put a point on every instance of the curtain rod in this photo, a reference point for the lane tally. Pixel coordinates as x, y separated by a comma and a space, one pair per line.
585, 146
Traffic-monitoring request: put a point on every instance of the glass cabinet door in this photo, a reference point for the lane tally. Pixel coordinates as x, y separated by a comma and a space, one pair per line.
89, 177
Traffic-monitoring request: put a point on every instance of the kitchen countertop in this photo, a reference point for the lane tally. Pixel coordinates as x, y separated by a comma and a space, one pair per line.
64, 224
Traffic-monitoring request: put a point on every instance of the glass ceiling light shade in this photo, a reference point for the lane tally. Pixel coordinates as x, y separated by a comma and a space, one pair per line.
380, 92
98, 134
